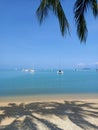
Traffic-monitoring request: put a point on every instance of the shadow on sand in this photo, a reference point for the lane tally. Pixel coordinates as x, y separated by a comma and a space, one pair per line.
76, 111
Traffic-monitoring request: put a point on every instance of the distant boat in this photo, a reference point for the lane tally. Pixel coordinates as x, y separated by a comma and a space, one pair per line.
29, 70
25, 70
60, 72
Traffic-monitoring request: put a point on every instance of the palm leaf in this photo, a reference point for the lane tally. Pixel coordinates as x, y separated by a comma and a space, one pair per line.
57, 9
80, 8
42, 11
94, 7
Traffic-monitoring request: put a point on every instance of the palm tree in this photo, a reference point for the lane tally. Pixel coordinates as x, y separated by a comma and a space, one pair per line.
80, 7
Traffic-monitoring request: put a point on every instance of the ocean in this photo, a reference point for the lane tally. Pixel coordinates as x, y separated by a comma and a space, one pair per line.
16, 82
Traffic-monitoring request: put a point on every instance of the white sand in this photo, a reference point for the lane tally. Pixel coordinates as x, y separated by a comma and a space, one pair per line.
54, 112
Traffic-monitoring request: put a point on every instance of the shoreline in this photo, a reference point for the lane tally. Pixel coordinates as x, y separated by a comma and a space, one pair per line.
48, 97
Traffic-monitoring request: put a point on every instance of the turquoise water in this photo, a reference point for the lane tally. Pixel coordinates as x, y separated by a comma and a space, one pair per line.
47, 82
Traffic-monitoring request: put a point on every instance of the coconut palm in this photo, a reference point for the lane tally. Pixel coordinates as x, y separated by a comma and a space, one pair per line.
80, 7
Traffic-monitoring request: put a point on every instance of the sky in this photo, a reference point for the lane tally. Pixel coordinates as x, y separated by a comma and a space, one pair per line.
24, 43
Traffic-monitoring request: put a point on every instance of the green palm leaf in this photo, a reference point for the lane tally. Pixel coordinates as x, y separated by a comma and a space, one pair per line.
42, 11
57, 9
80, 8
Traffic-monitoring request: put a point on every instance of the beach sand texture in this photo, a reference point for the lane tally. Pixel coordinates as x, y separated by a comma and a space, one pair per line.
49, 115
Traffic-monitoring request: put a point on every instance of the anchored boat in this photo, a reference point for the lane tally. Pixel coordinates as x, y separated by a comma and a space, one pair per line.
60, 72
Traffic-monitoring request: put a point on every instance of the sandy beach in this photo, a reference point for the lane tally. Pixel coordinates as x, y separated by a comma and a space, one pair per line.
54, 112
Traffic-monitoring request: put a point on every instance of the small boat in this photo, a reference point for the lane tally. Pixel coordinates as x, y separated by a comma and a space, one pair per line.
31, 71
60, 72
25, 70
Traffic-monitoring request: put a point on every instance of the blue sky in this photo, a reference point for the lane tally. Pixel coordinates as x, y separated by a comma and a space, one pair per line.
24, 43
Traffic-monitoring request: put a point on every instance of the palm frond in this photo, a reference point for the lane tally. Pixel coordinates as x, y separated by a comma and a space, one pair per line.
64, 25
80, 8
94, 7
42, 10
57, 9
82, 29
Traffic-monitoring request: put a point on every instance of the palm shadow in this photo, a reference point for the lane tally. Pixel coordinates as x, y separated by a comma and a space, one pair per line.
77, 112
